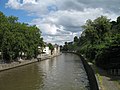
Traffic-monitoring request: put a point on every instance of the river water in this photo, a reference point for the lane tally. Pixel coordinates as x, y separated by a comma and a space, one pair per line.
64, 72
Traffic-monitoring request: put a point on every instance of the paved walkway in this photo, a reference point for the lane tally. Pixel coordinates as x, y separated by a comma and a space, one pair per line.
106, 82
7, 66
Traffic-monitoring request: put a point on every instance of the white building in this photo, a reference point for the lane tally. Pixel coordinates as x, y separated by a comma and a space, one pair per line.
56, 49
46, 50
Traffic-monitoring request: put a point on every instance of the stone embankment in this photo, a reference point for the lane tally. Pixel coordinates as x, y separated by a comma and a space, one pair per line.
7, 66
90, 73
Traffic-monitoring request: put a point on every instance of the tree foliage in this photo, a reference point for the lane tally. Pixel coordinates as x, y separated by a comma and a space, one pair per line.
71, 46
51, 47
17, 38
100, 39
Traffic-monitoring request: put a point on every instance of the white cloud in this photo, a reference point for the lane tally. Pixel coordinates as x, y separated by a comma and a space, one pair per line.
15, 4
49, 28
61, 20
29, 1
68, 22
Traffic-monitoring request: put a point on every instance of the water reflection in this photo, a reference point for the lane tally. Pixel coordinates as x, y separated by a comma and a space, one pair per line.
23, 78
65, 72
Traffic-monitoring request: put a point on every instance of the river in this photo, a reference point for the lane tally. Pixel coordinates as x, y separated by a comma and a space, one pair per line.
64, 72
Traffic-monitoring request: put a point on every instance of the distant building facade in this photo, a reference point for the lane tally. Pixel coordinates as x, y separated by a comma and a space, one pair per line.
46, 50
56, 49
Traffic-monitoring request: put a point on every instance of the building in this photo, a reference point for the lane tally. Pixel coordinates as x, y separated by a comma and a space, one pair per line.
46, 50
56, 50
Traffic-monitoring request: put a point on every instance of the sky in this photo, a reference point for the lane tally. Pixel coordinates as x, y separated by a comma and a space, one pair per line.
60, 20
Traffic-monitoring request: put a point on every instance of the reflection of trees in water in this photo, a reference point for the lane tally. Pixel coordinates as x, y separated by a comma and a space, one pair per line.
22, 78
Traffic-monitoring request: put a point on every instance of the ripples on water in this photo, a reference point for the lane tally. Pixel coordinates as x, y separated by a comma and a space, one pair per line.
64, 72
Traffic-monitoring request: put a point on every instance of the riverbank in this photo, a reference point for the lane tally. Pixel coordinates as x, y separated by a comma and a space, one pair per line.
105, 81
90, 73
7, 66
65, 72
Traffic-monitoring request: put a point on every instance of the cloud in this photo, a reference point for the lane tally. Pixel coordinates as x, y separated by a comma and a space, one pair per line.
15, 4
68, 23
61, 20
38, 7
29, 2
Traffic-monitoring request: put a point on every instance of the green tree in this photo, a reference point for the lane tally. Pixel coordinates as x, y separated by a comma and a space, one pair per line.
95, 36
51, 47
76, 39
17, 38
100, 41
